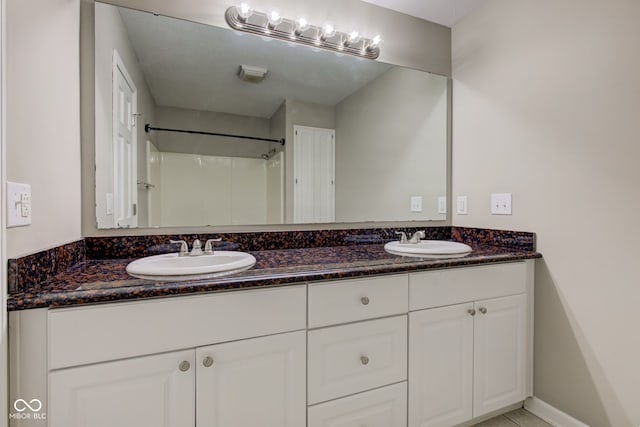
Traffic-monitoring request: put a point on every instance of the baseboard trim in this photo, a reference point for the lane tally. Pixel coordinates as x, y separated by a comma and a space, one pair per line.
551, 414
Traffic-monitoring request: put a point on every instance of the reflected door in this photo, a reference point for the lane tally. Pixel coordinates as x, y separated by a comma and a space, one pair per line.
314, 174
124, 146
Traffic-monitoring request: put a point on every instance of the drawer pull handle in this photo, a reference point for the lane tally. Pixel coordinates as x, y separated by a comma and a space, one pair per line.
207, 361
364, 300
483, 310
184, 366
364, 360
471, 311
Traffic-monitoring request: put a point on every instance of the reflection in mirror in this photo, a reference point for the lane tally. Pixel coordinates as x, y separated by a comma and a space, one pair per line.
363, 140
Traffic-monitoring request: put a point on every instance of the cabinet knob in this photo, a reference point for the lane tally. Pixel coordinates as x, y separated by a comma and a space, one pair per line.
207, 361
364, 300
364, 360
184, 366
483, 310
471, 311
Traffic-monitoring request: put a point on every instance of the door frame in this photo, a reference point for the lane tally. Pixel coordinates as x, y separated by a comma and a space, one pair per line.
4, 378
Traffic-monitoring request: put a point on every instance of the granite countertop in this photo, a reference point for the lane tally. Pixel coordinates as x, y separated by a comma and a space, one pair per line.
103, 280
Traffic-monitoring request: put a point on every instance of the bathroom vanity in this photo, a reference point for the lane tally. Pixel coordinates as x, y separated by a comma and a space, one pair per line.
430, 343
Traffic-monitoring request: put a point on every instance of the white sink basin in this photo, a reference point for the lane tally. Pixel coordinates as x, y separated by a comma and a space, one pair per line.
171, 267
429, 249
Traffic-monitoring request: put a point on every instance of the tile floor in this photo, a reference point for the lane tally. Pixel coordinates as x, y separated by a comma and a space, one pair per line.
517, 418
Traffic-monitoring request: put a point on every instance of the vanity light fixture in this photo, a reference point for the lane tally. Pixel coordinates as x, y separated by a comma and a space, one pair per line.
272, 24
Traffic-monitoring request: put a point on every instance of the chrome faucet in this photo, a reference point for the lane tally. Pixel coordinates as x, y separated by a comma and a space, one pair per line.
417, 236
196, 249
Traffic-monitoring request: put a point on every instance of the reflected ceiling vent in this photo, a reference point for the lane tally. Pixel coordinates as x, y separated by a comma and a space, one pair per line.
249, 73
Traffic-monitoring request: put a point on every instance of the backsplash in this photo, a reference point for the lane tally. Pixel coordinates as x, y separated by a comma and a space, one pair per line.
139, 246
42, 266
483, 236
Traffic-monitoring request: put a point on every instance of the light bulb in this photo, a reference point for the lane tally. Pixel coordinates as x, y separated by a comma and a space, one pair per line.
374, 44
274, 18
328, 31
302, 25
244, 11
352, 37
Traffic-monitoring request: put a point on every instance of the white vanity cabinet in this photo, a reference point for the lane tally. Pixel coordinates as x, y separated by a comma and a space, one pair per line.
421, 349
251, 374
471, 358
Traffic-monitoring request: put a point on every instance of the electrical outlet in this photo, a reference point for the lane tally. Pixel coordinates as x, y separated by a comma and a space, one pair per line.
18, 204
501, 204
461, 205
416, 203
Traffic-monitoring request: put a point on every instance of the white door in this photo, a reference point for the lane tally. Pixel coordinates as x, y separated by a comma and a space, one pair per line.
148, 391
125, 197
314, 175
440, 366
500, 353
252, 383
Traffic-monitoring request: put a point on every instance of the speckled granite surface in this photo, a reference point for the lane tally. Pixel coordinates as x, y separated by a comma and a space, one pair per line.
141, 246
22, 273
103, 280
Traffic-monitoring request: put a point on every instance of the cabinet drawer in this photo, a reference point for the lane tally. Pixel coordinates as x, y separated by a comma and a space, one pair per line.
352, 358
358, 299
457, 285
383, 407
114, 331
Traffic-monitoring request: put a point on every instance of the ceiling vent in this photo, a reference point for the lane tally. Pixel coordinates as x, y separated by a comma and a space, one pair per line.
251, 74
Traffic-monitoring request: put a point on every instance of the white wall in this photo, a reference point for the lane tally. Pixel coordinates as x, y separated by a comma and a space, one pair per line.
113, 35
370, 146
209, 121
546, 105
43, 119
211, 190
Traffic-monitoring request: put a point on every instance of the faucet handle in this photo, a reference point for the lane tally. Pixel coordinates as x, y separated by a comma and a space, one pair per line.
208, 249
417, 236
184, 249
403, 237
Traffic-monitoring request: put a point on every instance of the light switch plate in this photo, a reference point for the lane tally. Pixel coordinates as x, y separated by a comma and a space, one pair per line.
18, 204
461, 205
501, 204
416, 203
442, 205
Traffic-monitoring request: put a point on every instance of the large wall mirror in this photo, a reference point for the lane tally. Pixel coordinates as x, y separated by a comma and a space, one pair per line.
190, 121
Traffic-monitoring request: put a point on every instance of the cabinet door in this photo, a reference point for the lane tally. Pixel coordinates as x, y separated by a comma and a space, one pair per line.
252, 383
440, 366
146, 391
500, 353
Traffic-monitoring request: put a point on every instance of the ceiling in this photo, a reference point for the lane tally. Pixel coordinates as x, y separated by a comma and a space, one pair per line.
444, 12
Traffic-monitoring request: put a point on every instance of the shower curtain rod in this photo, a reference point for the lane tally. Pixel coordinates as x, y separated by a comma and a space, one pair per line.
148, 128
